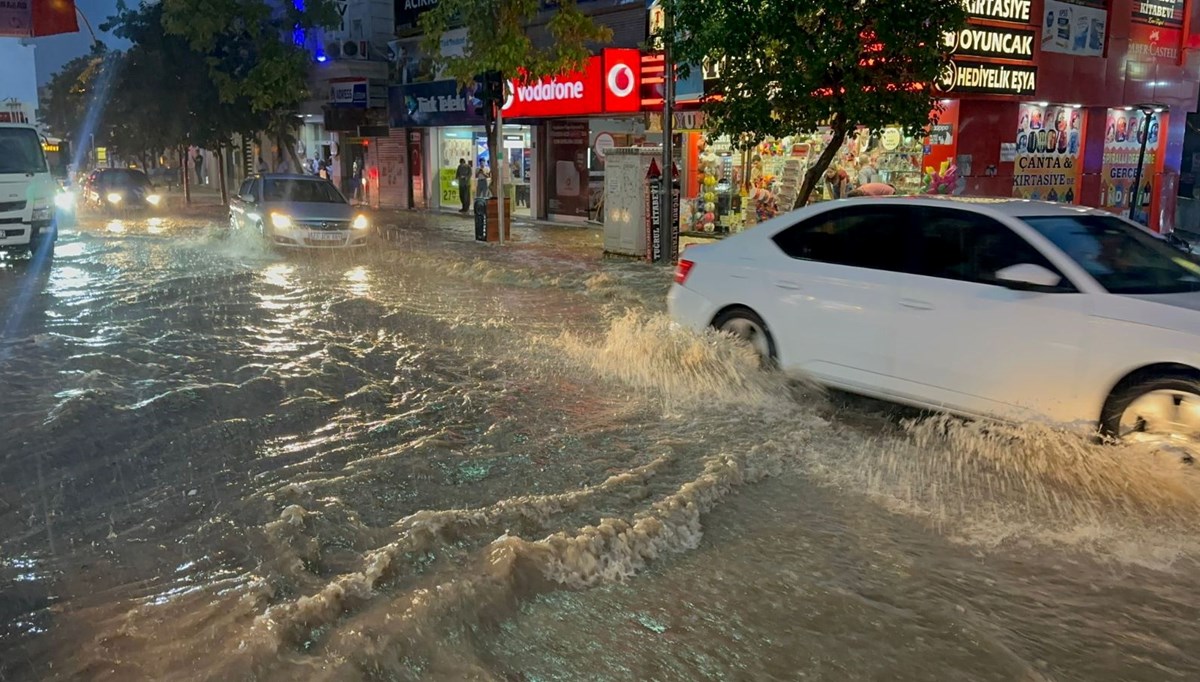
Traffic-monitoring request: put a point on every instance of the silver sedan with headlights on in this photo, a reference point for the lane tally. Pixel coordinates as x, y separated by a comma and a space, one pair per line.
298, 211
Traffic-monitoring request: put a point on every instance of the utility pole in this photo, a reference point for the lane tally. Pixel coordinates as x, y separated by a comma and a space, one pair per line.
498, 182
668, 185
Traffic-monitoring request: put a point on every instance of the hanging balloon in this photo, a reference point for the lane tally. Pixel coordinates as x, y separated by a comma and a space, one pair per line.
710, 206
710, 181
710, 196
709, 227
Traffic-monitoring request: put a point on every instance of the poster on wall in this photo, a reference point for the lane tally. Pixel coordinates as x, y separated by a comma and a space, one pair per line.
1049, 146
1074, 27
1124, 131
567, 171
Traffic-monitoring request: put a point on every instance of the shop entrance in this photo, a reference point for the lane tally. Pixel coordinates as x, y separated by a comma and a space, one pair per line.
470, 143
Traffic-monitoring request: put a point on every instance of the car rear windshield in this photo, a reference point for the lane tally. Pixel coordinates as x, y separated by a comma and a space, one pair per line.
21, 151
304, 191
123, 177
1123, 258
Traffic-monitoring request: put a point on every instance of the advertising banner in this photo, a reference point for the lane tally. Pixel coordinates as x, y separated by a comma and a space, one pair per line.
348, 92
1159, 43
440, 103
1123, 134
654, 240
986, 78
1049, 148
1159, 12
567, 171
16, 18
1014, 11
448, 187
1074, 27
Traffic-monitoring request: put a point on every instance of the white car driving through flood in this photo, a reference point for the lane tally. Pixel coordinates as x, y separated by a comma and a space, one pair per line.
1006, 309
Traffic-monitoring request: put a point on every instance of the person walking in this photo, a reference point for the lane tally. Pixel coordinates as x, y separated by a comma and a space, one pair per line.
463, 177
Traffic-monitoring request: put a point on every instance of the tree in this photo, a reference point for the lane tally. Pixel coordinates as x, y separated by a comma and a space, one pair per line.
498, 42
76, 94
789, 67
255, 53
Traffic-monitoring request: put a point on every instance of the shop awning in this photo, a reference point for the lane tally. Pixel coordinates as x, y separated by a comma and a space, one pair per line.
35, 18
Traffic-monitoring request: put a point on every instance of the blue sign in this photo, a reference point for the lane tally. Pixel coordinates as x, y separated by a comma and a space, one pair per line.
440, 103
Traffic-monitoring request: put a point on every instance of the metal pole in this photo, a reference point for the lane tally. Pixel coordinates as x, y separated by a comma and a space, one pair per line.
668, 211
1137, 175
498, 183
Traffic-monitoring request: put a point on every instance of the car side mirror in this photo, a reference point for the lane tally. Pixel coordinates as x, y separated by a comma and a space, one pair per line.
248, 198
1025, 276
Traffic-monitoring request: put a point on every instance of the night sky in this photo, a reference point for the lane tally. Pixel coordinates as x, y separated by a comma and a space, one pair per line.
55, 51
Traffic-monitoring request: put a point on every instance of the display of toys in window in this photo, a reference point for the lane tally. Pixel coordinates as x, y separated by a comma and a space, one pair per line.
704, 215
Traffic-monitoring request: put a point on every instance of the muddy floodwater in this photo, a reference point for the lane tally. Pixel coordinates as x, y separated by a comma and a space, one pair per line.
434, 459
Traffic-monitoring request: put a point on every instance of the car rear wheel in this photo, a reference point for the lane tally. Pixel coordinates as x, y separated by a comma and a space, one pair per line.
746, 325
1163, 410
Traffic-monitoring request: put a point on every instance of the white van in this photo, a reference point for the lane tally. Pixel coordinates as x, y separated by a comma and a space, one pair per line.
27, 190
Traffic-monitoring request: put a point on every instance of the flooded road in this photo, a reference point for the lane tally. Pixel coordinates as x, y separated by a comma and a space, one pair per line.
440, 460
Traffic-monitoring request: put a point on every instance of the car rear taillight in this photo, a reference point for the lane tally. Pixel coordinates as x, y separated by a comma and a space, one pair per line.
682, 270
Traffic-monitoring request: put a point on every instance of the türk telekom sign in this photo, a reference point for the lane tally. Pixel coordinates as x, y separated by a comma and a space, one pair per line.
609, 84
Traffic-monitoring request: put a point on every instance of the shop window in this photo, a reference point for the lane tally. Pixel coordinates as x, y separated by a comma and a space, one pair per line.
874, 237
970, 247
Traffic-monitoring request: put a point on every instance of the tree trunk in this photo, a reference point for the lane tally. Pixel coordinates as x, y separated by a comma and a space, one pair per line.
495, 142
183, 176
220, 157
817, 170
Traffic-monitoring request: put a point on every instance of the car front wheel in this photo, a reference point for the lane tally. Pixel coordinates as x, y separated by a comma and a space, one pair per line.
746, 325
1162, 410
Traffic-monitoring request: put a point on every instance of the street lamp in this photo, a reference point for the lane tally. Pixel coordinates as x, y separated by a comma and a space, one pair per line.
1148, 112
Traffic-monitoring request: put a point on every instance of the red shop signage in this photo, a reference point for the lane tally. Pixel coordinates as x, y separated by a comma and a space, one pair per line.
609, 84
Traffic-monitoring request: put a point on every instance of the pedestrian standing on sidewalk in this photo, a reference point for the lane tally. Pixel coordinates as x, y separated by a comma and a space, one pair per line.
481, 182
463, 177
198, 162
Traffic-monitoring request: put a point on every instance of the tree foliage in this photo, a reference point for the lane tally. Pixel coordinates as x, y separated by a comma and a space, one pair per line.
498, 40
68, 94
498, 37
789, 67
255, 53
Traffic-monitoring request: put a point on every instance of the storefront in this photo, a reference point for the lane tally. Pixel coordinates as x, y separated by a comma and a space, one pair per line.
1047, 100
553, 129
1099, 81
469, 143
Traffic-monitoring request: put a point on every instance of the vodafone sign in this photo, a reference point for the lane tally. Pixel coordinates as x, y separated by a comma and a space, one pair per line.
609, 84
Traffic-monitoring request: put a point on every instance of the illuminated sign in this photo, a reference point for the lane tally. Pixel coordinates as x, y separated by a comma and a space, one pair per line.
50, 147
1013, 11
608, 84
999, 43
989, 79
1159, 12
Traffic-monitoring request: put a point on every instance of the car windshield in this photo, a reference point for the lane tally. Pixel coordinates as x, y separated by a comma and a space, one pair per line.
303, 191
121, 177
21, 151
1123, 258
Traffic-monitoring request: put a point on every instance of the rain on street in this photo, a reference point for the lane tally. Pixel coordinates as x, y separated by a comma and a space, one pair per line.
434, 459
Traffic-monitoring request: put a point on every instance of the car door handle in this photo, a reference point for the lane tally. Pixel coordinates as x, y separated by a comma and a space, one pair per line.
916, 304
787, 284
